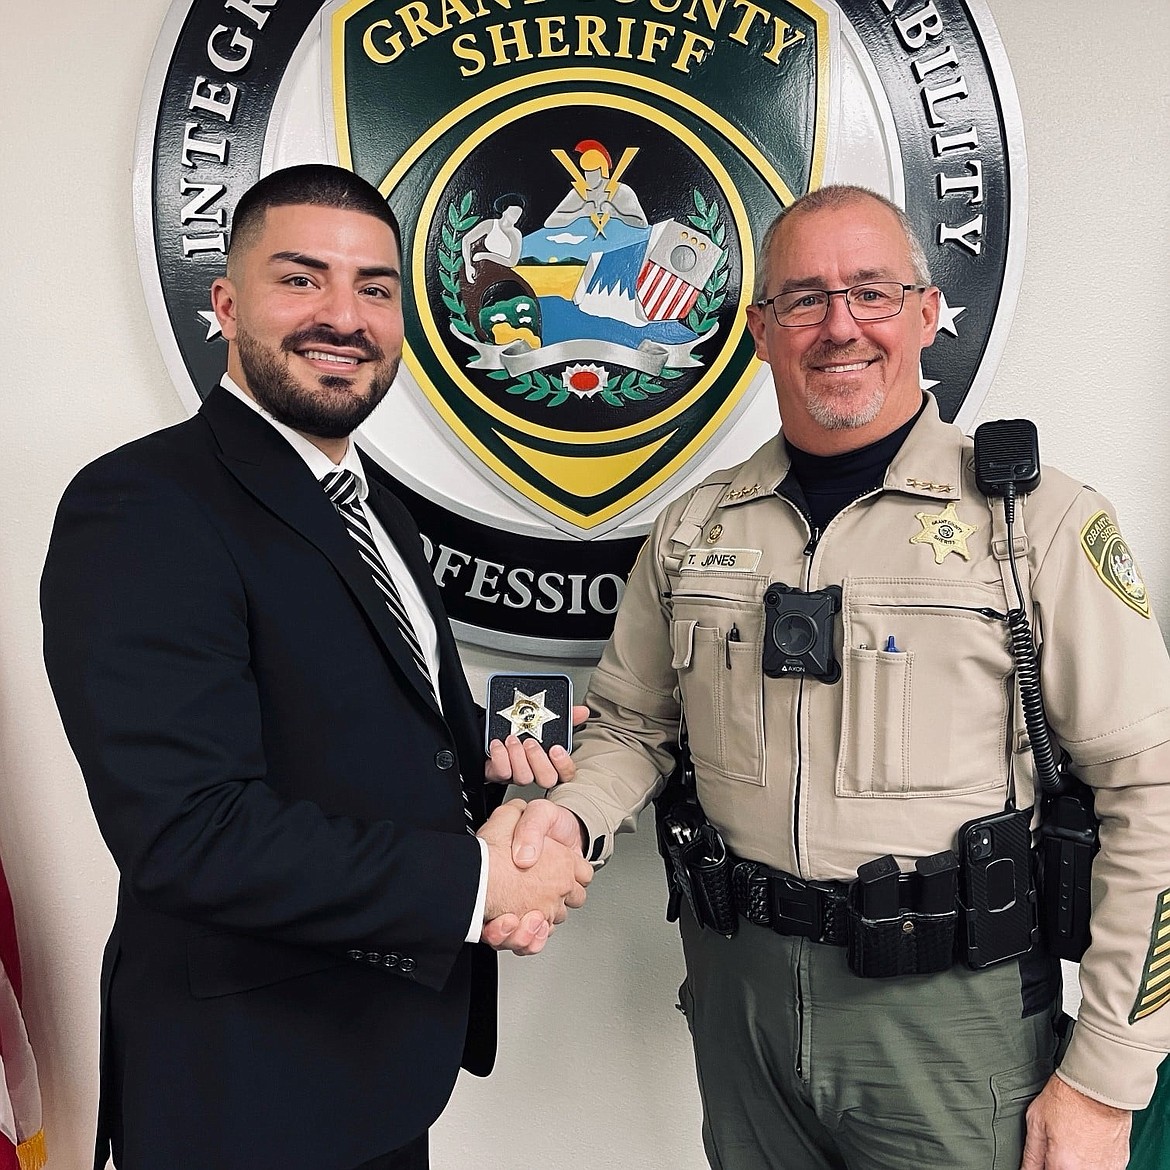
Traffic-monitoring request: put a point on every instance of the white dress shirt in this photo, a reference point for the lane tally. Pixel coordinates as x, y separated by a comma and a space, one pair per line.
420, 617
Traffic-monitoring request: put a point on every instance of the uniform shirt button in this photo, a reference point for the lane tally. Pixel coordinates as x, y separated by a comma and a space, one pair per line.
407, 965
444, 759
357, 956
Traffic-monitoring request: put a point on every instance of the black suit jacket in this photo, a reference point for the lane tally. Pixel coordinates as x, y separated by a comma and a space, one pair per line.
286, 984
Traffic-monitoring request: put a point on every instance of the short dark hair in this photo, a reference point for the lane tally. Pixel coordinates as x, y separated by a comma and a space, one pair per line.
312, 185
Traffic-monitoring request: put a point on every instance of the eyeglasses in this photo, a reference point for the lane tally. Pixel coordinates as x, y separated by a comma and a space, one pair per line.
874, 301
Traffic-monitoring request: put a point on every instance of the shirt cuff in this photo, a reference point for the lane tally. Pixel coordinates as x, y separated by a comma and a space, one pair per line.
481, 897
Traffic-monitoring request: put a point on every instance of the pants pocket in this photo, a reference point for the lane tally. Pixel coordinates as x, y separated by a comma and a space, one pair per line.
1014, 1090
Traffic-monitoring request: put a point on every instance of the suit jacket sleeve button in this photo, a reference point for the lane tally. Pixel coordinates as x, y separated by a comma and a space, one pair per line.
444, 759
357, 956
373, 957
407, 965
390, 960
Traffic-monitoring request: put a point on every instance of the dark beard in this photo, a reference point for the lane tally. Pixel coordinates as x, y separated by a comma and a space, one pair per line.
331, 412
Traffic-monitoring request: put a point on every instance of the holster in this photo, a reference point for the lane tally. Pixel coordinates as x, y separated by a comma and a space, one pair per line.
698, 867
672, 806
903, 923
1067, 842
909, 944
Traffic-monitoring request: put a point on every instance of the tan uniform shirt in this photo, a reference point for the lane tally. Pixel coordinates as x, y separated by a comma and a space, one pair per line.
911, 742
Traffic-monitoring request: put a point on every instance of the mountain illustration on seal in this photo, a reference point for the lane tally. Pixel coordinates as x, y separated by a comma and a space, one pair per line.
595, 300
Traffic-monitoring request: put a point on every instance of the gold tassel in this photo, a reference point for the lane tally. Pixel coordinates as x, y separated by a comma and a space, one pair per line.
31, 1152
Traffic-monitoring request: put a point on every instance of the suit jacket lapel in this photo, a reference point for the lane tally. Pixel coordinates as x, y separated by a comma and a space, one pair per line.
271, 471
459, 711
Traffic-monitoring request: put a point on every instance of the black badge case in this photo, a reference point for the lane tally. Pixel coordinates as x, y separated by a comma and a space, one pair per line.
533, 706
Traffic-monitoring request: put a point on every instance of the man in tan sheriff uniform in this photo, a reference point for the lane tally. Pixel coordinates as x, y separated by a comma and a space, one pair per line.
802, 1063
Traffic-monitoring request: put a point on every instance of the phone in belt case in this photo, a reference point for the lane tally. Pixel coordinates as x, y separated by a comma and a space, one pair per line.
535, 706
997, 899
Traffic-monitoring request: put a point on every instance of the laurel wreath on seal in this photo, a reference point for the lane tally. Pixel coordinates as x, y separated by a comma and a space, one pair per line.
537, 386
458, 224
706, 309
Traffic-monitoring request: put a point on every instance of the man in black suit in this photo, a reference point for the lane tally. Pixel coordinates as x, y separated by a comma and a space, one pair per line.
254, 670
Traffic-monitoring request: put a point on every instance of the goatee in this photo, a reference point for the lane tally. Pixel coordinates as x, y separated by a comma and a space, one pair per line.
327, 407
842, 411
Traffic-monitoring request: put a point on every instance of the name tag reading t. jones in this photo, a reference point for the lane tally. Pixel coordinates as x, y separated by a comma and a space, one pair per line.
725, 560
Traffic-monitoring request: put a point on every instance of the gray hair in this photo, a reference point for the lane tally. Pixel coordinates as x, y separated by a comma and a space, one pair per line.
830, 198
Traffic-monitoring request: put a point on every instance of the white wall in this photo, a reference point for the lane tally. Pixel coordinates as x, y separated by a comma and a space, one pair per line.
595, 1068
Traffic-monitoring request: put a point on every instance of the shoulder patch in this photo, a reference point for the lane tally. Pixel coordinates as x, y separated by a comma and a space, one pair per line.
1154, 990
1114, 564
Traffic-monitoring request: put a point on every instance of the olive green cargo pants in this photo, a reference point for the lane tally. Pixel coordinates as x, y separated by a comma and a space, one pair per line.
805, 1066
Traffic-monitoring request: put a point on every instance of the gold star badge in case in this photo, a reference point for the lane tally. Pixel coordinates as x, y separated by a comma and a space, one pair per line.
538, 706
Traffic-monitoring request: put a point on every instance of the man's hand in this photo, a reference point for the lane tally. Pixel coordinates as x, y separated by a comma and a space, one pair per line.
524, 904
519, 761
542, 821
1069, 1131
521, 936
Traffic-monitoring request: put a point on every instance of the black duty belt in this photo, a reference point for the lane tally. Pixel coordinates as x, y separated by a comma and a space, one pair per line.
791, 905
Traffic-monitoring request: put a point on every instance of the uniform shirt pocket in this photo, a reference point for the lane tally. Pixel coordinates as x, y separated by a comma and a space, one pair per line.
717, 649
682, 643
928, 713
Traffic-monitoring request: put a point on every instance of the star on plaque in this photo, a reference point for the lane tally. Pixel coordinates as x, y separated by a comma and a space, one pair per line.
945, 533
948, 314
528, 714
212, 323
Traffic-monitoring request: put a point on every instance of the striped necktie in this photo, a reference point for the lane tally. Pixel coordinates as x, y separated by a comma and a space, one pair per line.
342, 489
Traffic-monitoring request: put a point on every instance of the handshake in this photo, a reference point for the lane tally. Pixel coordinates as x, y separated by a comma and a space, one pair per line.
536, 872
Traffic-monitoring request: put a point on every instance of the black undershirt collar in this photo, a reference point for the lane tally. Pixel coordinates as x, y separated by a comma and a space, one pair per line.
827, 483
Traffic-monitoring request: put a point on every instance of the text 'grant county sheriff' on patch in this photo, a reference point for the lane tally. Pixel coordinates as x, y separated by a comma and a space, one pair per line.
583, 187
1111, 557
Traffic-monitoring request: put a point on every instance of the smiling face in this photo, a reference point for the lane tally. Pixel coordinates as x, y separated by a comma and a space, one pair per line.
312, 312
844, 383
